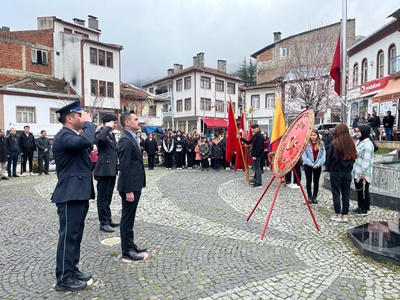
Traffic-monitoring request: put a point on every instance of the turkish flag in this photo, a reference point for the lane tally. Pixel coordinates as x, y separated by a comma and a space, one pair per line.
231, 140
241, 151
335, 68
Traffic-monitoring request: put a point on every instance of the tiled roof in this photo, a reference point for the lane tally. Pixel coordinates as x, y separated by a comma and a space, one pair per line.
131, 91
38, 85
6, 77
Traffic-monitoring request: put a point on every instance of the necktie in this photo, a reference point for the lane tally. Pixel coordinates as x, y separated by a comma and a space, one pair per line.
137, 140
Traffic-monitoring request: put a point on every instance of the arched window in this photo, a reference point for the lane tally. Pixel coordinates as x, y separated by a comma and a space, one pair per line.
380, 64
355, 75
364, 71
392, 59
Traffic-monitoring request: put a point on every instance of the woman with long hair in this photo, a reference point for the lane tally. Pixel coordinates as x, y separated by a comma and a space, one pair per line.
189, 145
313, 160
168, 148
341, 157
362, 171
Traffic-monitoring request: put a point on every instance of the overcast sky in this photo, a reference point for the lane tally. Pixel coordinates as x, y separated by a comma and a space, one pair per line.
156, 34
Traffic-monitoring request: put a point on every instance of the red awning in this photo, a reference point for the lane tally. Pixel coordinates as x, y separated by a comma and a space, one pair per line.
215, 123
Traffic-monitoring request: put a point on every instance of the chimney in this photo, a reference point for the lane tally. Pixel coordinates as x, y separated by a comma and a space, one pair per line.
177, 68
277, 36
221, 65
170, 71
79, 22
200, 59
195, 63
93, 23
5, 29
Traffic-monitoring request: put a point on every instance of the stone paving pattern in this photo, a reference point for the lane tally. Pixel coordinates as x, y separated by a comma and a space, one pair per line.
193, 224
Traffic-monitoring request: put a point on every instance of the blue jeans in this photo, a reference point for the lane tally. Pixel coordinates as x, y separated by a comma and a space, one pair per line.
12, 160
389, 132
340, 183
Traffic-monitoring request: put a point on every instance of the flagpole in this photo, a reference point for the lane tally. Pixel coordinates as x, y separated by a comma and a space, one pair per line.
343, 62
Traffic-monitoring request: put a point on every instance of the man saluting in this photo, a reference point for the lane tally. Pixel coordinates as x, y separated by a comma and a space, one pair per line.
72, 193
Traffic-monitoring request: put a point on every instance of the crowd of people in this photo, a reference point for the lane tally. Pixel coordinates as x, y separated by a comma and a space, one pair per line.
375, 124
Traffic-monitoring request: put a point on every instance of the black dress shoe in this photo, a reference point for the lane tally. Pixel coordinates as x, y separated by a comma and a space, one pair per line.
114, 224
106, 228
71, 284
132, 255
81, 276
138, 250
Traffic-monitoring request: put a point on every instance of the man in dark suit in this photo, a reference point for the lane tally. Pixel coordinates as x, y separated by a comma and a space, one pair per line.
13, 152
27, 146
43, 145
72, 192
105, 171
131, 180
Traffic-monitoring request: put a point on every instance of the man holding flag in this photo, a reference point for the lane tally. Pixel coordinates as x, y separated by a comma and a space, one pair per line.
257, 152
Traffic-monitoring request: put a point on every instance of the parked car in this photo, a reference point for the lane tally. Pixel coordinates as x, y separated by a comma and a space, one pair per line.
331, 127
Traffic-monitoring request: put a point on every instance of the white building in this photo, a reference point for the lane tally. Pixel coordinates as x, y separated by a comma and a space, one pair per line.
199, 96
374, 65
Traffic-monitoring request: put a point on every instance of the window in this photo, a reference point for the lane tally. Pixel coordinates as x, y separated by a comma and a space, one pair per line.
179, 105
25, 114
285, 52
219, 85
110, 62
380, 64
364, 71
205, 82
231, 88
392, 59
102, 54
188, 104
219, 105
151, 90
94, 87
102, 88
269, 100
67, 30
93, 56
53, 116
255, 101
205, 104
355, 75
188, 83
82, 34
39, 57
179, 85
110, 89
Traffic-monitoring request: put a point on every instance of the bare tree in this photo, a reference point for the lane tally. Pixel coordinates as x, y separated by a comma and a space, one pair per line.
307, 80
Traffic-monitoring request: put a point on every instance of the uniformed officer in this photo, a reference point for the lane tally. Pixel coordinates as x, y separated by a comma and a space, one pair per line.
72, 192
105, 171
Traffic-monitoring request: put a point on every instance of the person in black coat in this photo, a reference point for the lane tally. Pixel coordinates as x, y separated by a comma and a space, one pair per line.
27, 146
43, 145
388, 123
179, 149
151, 148
13, 152
3, 155
105, 171
72, 192
257, 153
131, 180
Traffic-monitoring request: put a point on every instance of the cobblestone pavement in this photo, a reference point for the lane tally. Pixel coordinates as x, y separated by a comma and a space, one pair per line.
193, 224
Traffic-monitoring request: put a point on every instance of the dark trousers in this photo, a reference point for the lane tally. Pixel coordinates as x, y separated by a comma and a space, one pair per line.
257, 171
389, 132
46, 158
12, 160
27, 155
72, 216
105, 189
312, 176
179, 159
127, 221
190, 159
204, 163
363, 200
150, 159
340, 184
216, 164
168, 159
376, 131
288, 176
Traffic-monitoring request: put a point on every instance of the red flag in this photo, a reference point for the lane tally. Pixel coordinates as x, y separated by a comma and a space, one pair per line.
231, 140
335, 68
249, 136
240, 152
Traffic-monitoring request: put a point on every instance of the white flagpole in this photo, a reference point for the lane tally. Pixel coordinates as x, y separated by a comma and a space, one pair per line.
343, 61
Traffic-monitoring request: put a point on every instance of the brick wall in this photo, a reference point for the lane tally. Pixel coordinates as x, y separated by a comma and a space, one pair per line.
42, 37
11, 56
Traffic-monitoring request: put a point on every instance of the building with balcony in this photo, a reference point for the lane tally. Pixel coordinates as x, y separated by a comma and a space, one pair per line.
199, 96
374, 65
